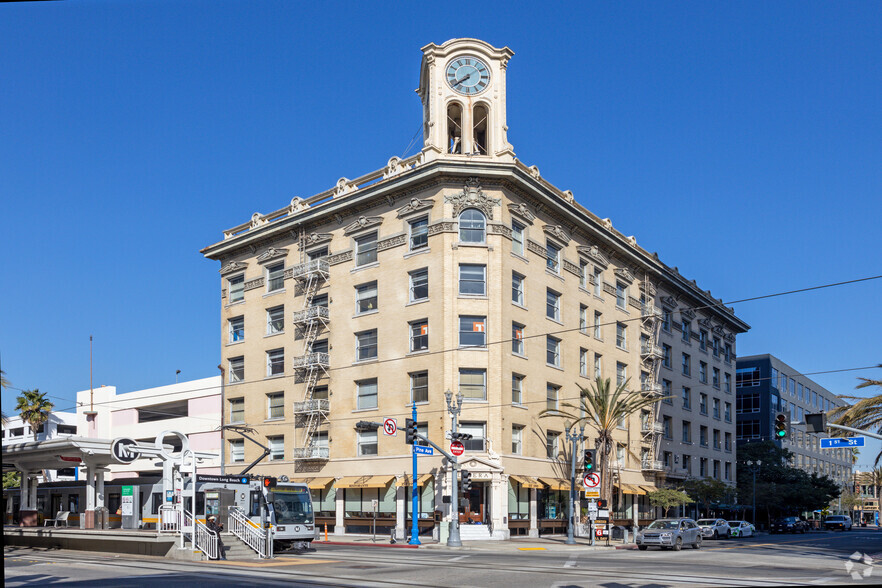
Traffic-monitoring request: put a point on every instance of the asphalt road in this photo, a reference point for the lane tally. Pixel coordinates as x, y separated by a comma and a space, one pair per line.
777, 560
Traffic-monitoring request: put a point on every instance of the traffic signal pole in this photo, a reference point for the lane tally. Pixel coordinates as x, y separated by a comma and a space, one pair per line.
414, 525
574, 438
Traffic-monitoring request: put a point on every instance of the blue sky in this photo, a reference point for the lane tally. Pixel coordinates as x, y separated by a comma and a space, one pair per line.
740, 140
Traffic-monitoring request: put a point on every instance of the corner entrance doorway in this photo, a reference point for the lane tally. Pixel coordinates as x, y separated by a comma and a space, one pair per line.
474, 507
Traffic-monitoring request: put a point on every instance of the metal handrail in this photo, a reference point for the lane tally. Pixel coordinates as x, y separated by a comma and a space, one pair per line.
311, 452
319, 266
651, 350
311, 313
651, 389
314, 405
310, 360
652, 465
257, 539
169, 519
652, 428
204, 539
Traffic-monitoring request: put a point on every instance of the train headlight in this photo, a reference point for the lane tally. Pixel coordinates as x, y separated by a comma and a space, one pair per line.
280, 529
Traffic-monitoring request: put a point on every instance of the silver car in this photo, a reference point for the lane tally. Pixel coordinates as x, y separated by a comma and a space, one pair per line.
714, 528
670, 533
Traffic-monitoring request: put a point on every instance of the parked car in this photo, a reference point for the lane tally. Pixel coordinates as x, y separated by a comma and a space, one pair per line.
789, 525
838, 522
714, 528
742, 529
670, 533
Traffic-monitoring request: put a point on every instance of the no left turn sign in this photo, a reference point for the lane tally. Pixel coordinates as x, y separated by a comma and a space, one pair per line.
591, 480
390, 427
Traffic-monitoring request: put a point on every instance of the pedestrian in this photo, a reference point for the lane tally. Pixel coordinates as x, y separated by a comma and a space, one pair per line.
216, 528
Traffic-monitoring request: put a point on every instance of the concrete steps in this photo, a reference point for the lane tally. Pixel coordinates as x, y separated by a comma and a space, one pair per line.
474, 533
235, 548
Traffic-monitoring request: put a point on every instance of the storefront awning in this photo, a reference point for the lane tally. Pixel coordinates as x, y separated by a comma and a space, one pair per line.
556, 483
364, 481
407, 481
527, 481
649, 489
631, 489
318, 483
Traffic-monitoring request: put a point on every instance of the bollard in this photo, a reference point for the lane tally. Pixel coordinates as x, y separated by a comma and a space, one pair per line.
392, 536
625, 537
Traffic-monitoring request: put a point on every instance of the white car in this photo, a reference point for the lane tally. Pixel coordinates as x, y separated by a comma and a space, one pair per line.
742, 529
714, 528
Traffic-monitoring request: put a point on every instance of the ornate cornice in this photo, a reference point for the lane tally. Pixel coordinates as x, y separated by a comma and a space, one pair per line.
522, 211
593, 253
624, 275
558, 233
316, 239
705, 322
442, 227
669, 302
415, 205
252, 284
233, 266
271, 254
340, 257
572, 268
472, 196
536, 248
390, 242
687, 313
363, 222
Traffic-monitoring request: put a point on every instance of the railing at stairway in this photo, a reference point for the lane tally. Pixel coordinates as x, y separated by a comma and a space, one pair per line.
259, 540
169, 519
203, 538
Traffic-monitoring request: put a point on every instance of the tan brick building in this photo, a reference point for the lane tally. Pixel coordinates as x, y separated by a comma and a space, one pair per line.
458, 269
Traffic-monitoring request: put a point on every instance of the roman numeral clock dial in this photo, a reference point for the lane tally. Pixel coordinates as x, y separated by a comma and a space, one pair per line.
468, 75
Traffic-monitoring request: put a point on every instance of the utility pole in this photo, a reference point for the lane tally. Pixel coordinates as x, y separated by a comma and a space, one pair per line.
454, 408
753, 467
573, 438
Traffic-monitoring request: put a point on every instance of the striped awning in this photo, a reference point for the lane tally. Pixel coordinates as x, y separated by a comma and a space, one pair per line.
556, 483
421, 480
364, 481
527, 481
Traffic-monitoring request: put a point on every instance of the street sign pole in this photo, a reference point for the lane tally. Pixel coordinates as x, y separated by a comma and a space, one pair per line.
414, 525
454, 408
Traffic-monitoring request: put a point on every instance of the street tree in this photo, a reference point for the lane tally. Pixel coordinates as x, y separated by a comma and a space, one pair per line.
601, 408
11, 480
34, 408
706, 491
4, 383
666, 498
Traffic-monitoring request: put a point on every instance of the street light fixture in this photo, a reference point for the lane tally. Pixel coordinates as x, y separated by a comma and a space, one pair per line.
753, 465
574, 438
454, 408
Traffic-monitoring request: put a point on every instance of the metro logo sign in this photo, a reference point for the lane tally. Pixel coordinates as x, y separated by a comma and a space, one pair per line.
478, 326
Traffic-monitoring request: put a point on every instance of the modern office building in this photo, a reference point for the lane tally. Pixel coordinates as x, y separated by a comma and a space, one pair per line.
462, 270
765, 385
60, 424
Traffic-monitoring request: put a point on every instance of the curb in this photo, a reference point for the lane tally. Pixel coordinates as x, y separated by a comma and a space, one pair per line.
629, 546
395, 545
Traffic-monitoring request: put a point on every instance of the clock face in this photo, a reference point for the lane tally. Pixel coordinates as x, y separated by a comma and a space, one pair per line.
468, 75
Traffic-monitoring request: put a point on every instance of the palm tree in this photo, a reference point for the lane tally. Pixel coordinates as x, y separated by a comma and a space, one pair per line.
865, 413
4, 383
602, 407
34, 407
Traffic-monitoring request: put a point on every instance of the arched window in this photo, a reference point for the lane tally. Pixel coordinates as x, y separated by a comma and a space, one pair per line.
479, 135
454, 128
472, 225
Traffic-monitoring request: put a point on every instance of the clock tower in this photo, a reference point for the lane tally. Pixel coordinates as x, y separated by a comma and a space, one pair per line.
462, 86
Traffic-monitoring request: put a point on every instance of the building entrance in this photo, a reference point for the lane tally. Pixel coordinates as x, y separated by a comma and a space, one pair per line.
474, 507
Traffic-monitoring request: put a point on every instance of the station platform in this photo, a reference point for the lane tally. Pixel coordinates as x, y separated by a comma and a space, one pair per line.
139, 542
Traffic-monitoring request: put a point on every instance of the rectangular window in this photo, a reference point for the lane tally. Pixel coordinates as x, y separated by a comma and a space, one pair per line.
419, 233
598, 319
517, 439
702, 436
687, 432
419, 335
551, 395
517, 238
367, 394
727, 412
716, 380
237, 288
747, 377
667, 425
727, 352
716, 405
621, 336
366, 298
666, 356
687, 398
366, 345
551, 444
517, 389
472, 279
717, 444
702, 339
687, 463
237, 410
473, 383
552, 305
728, 470
552, 257
598, 365
366, 249
687, 364
472, 331
237, 369
728, 442
552, 351
517, 288
745, 403
237, 450
667, 392
666, 321
320, 346
702, 467
275, 405
621, 373
237, 329
621, 295
276, 446
419, 387
275, 362
320, 253
716, 346
367, 443
477, 431
419, 285
583, 362
275, 320
727, 383
717, 469
702, 372
598, 282
517, 338
583, 275
687, 330
275, 277
702, 403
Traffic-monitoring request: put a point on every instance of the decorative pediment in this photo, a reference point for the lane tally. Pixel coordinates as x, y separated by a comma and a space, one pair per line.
482, 464
687, 313
363, 222
624, 275
522, 211
705, 322
472, 196
557, 232
593, 253
233, 266
415, 205
730, 337
669, 302
718, 330
316, 239
271, 254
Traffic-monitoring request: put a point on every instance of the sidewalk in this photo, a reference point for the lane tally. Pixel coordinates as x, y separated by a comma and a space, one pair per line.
548, 543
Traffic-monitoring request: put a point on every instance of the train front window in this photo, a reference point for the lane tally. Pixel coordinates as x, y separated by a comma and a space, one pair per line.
292, 505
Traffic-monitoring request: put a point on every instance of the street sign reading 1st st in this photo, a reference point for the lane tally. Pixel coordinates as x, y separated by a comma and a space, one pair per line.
842, 442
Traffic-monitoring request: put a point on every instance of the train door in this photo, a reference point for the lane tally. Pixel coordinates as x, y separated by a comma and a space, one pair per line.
218, 503
55, 500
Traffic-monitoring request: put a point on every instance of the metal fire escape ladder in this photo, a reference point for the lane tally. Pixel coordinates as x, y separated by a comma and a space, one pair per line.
652, 356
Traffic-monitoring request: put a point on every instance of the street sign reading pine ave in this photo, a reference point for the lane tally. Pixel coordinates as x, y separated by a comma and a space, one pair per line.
842, 442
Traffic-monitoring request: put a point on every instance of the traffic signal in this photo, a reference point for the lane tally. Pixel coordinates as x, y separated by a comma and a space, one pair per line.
410, 431
269, 482
465, 480
816, 422
589, 460
601, 504
782, 426
461, 436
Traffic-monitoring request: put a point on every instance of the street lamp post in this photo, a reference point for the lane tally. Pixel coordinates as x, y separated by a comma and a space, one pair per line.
574, 438
454, 408
753, 466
